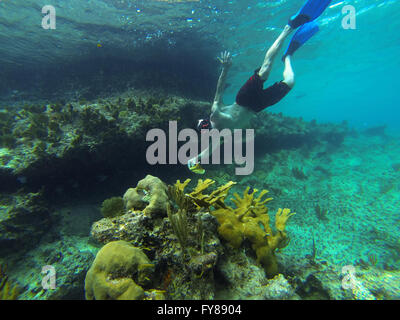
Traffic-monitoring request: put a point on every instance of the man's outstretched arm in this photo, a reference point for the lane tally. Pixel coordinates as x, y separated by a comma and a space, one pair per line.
226, 61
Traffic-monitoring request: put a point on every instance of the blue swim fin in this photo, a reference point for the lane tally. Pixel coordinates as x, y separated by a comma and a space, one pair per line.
310, 11
304, 33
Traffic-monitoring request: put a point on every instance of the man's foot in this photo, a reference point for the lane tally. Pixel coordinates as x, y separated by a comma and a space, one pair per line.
304, 33
310, 11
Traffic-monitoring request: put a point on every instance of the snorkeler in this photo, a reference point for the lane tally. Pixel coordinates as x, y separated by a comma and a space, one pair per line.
252, 98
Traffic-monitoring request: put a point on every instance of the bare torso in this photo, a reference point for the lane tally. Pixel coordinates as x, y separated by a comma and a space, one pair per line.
222, 117
231, 117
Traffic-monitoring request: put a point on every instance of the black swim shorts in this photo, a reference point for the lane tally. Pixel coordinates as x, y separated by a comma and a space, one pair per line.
252, 95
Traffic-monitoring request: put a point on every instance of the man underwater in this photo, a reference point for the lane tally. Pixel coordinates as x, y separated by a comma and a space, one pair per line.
252, 98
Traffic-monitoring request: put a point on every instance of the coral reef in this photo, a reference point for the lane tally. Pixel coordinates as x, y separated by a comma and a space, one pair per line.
118, 273
280, 288
184, 245
201, 244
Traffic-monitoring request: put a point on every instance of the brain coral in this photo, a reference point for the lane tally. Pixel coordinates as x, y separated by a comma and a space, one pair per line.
118, 272
150, 194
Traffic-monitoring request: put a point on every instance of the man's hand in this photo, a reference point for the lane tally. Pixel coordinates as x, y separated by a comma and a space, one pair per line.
225, 59
195, 166
192, 162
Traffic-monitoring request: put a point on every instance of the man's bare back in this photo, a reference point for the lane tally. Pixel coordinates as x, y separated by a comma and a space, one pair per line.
231, 117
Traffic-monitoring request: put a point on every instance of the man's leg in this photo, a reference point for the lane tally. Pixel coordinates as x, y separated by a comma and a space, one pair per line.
275, 93
288, 74
272, 52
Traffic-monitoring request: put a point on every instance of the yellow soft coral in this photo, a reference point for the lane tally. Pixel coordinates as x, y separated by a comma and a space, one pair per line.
200, 200
215, 199
250, 220
181, 186
250, 205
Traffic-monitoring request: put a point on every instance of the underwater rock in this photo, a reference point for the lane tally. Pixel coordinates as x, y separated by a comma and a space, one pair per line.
283, 133
71, 258
150, 195
321, 280
63, 147
396, 167
240, 277
118, 272
71, 272
316, 280
381, 284
376, 131
133, 227
202, 263
279, 288
24, 219
8, 289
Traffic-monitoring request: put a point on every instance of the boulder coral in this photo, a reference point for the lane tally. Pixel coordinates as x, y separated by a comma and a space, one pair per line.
118, 273
150, 195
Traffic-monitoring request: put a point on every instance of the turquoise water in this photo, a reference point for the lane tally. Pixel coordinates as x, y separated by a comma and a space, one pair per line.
342, 74
76, 102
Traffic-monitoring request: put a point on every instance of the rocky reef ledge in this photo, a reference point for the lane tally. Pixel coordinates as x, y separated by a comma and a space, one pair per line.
68, 144
63, 144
